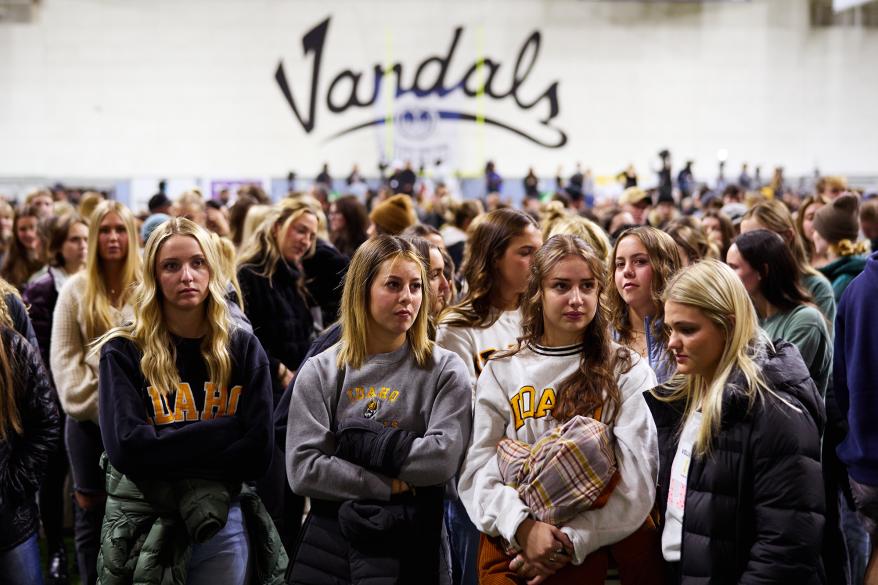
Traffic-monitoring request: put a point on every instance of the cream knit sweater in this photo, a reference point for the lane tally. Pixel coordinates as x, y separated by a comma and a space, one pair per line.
74, 370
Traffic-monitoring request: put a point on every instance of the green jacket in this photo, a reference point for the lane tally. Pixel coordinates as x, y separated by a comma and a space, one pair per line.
149, 526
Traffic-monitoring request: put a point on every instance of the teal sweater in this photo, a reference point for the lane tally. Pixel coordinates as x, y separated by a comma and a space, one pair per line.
842, 271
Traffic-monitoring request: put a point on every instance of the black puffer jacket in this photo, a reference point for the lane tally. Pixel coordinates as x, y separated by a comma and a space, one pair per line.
324, 276
754, 509
20, 320
369, 542
41, 297
279, 314
23, 458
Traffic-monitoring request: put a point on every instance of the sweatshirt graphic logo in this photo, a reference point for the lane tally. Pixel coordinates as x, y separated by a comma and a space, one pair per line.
218, 401
527, 404
486, 78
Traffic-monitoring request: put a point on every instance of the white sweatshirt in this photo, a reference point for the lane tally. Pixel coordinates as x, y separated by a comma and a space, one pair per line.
475, 345
514, 399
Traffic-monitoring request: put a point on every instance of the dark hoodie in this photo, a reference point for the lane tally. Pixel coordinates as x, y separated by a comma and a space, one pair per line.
754, 510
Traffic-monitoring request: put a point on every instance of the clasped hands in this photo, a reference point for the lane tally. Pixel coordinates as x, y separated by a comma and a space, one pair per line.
544, 550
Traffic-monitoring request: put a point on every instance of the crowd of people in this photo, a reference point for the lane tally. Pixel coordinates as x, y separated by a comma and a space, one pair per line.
676, 385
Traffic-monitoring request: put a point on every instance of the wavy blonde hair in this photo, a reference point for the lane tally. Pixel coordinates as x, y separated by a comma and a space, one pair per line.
849, 248
263, 249
773, 215
10, 418
149, 331
98, 318
227, 256
585, 229
355, 298
688, 233
715, 290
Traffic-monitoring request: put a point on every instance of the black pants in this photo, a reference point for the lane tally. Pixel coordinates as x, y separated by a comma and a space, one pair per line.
84, 446
52, 494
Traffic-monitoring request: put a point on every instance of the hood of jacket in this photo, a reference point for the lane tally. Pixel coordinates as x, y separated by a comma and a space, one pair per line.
846, 265
785, 372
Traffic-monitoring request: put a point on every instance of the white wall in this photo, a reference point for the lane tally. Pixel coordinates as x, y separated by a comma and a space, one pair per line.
125, 88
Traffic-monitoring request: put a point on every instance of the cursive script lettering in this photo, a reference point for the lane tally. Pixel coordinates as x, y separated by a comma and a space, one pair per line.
344, 91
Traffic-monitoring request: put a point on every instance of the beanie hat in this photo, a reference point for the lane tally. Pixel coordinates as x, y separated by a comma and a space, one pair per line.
394, 215
152, 222
838, 220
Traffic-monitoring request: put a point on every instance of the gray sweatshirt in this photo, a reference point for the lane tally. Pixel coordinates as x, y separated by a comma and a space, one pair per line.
432, 402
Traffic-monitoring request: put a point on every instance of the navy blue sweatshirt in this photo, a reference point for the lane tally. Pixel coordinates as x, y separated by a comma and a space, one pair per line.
855, 373
200, 430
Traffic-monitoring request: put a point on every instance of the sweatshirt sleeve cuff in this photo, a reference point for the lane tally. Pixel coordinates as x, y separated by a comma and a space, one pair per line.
378, 485
580, 544
508, 525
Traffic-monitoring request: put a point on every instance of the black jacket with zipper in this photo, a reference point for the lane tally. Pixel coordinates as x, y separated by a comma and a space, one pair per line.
24, 457
754, 508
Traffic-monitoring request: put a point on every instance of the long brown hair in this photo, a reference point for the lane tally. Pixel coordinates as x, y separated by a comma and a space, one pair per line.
487, 243
800, 222
55, 230
593, 384
20, 263
773, 215
665, 261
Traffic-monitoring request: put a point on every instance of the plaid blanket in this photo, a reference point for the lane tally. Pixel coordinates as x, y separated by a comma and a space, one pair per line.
570, 468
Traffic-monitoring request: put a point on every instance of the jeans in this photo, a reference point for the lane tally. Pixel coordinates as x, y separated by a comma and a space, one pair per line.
21, 565
856, 538
225, 557
463, 536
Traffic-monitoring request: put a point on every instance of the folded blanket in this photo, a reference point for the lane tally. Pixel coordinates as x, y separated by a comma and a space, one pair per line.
570, 469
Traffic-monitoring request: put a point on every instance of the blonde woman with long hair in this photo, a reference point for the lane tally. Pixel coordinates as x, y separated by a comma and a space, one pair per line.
740, 488
272, 283
91, 302
276, 302
377, 422
186, 394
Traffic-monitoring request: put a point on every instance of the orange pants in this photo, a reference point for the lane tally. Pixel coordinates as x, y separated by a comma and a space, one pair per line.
638, 557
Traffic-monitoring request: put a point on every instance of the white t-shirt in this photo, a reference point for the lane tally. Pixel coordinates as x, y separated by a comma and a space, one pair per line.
672, 535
